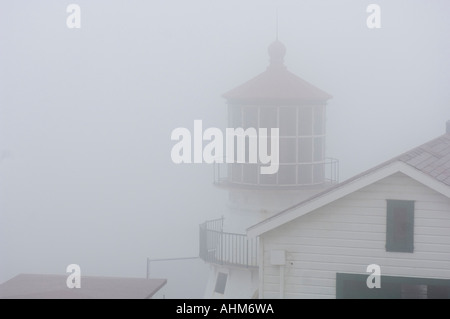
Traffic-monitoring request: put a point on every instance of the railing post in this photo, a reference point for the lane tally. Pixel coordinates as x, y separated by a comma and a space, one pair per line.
221, 243
233, 248
247, 252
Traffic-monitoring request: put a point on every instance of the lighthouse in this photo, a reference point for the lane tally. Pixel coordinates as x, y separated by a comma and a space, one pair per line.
276, 98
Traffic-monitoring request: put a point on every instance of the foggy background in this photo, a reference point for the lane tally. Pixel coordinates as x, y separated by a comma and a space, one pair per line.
86, 115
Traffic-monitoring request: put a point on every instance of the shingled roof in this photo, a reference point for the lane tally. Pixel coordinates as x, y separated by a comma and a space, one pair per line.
431, 159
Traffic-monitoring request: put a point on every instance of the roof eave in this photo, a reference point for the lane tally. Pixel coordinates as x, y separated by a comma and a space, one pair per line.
344, 189
274, 101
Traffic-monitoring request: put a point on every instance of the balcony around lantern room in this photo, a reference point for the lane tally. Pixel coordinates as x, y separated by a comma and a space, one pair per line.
289, 176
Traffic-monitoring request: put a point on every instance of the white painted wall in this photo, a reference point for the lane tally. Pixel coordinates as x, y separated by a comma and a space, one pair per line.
242, 283
248, 207
349, 234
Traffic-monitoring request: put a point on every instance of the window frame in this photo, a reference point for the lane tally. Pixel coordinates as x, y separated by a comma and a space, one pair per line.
394, 207
221, 282
391, 286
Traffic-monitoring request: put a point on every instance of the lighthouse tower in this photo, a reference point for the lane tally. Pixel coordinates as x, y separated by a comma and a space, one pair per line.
276, 98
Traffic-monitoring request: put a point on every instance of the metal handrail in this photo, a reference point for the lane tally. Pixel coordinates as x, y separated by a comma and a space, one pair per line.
330, 174
224, 248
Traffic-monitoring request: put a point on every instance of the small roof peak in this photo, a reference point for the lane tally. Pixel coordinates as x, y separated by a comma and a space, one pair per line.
277, 51
276, 85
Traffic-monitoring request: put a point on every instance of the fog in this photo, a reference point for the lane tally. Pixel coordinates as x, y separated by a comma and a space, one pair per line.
86, 114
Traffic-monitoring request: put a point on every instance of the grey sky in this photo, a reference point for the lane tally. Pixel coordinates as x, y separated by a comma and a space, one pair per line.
86, 115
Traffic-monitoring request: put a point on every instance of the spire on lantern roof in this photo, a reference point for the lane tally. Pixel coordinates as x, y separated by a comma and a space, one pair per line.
276, 84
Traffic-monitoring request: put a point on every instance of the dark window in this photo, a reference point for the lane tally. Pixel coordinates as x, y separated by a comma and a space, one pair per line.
400, 226
409, 291
438, 292
221, 282
354, 286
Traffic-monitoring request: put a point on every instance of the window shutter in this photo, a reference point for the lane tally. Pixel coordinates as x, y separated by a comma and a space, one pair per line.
390, 226
410, 226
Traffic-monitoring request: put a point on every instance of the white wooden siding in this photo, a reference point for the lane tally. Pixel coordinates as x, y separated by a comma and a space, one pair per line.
349, 234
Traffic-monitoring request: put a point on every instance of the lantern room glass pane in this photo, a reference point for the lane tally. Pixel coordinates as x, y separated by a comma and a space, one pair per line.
305, 121
319, 120
250, 117
319, 173
305, 174
235, 116
286, 174
236, 173
288, 150
250, 173
267, 179
318, 149
305, 150
288, 123
268, 117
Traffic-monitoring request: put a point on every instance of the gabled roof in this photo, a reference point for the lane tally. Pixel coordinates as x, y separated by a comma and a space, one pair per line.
38, 286
432, 158
429, 164
276, 84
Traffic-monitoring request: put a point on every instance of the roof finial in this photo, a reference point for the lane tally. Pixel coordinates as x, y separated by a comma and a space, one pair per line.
277, 23
277, 50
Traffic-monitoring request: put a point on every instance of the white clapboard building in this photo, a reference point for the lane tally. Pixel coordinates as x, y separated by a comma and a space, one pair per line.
395, 215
